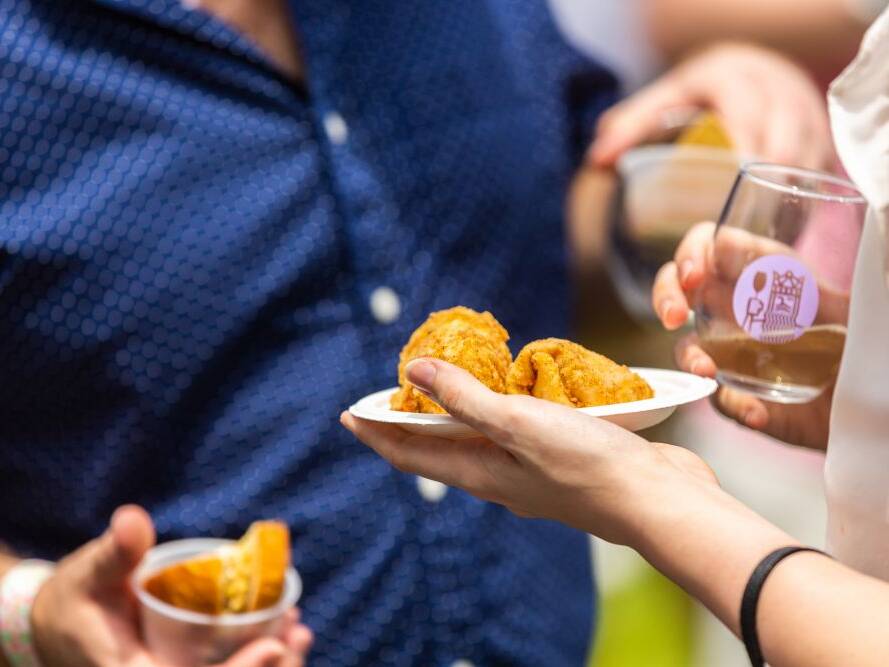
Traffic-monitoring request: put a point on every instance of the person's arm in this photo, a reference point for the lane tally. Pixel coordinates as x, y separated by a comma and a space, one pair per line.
823, 34
83, 614
541, 459
813, 611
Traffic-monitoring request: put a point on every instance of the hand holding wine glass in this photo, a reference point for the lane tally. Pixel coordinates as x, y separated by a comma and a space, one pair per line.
706, 272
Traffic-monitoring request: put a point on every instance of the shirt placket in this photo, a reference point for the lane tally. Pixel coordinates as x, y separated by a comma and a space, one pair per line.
381, 252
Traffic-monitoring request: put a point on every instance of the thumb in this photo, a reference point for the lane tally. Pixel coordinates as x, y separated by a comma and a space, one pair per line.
460, 393
108, 560
265, 652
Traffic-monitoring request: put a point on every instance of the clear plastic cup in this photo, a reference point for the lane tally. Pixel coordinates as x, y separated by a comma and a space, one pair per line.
664, 190
182, 638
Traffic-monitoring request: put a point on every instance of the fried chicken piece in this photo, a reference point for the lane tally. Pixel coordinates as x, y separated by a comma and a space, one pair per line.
565, 372
474, 341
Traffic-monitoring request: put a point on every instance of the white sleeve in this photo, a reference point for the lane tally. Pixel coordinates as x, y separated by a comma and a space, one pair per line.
612, 32
856, 470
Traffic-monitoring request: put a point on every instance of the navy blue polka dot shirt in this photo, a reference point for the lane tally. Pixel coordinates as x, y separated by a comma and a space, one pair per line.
202, 264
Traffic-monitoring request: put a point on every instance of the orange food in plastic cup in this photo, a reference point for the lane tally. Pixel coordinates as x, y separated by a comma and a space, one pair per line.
184, 638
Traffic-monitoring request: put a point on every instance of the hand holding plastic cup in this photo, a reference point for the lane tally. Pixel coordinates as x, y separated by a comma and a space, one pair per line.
183, 638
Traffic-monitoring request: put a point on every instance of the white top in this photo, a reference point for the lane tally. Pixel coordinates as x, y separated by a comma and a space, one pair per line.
857, 467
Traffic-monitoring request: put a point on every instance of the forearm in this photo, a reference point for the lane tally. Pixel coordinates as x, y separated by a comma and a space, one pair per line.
813, 611
678, 26
708, 543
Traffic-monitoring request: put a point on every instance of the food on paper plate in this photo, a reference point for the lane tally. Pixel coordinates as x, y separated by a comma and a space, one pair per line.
471, 340
243, 577
552, 369
564, 372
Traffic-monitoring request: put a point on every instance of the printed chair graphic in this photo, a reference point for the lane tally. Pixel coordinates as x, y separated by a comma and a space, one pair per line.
775, 322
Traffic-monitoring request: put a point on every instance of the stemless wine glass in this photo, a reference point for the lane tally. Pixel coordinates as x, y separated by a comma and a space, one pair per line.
772, 311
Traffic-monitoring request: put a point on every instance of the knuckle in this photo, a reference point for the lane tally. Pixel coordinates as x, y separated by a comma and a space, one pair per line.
665, 274
729, 403
683, 350
702, 231
665, 285
397, 458
677, 355
451, 398
515, 417
605, 120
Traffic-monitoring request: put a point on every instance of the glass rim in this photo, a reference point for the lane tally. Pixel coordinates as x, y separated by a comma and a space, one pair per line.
747, 170
188, 548
683, 154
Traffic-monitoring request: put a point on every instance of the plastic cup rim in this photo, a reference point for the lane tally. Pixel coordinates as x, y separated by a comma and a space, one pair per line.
653, 154
757, 172
289, 596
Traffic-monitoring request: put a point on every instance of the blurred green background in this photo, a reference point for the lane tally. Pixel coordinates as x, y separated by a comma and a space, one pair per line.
645, 621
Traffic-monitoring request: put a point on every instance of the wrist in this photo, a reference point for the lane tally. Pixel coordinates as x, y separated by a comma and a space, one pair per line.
669, 502
667, 487
693, 514
708, 542
18, 591
43, 630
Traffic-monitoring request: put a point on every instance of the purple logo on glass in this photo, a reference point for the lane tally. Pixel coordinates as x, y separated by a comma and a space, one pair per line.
776, 299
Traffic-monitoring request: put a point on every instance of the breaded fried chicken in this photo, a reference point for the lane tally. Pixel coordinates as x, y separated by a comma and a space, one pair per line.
474, 341
565, 372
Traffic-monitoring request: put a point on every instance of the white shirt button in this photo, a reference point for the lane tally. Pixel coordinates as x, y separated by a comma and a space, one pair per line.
431, 491
462, 663
336, 128
385, 305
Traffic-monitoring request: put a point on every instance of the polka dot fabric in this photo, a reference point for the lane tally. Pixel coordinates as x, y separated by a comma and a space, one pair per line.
189, 246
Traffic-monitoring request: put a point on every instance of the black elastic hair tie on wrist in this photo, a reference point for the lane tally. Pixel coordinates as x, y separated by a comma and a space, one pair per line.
750, 600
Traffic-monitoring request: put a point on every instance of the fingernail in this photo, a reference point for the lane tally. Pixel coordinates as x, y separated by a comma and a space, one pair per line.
421, 373
666, 304
685, 270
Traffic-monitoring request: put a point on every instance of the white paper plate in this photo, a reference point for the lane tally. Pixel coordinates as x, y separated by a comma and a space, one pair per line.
671, 389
